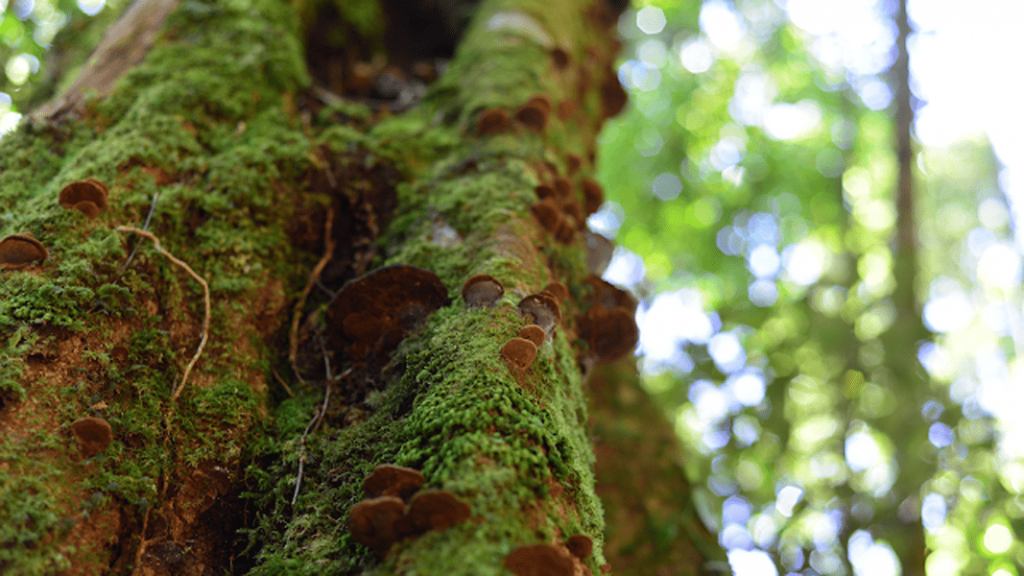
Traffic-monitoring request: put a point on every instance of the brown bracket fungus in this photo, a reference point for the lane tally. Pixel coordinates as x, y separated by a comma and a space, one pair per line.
534, 114
580, 546
558, 290
88, 196
561, 58
371, 314
533, 333
482, 291
436, 510
611, 334
541, 309
599, 253
610, 296
546, 212
544, 190
20, 250
374, 522
520, 352
93, 435
563, 186
493, 121
593, 195
573, 163
392, 480
539, 560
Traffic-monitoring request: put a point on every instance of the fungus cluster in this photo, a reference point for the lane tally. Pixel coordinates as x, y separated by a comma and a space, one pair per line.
372, 314
396, 508
541, 311
87, 196
532, 115
559, 211
608, 326
92, 434
19, 250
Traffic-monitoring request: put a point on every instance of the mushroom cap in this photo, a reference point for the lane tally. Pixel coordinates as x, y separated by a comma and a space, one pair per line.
520, 352
20, 250
593, 195
566, 231
534, 114
599, 252
539, 560
546, 212
573, 163
610, 296
392, 480
373, 522
542, 310
93, 435
90, 190
572, 208
544, 190
372, 313
88, 208
533, 333
558, 290
613, 96
482, 291
434, 510
560, 57
492, 121
563, 185
580, 545
540, 101
611, 334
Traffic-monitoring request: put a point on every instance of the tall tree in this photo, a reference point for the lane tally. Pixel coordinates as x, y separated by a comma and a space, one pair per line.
248, 293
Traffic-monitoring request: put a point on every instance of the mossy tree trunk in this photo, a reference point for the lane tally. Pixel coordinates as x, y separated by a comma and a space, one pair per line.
219, 145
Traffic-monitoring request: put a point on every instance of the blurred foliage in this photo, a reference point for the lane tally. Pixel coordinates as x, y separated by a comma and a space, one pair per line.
33, 34
755, 176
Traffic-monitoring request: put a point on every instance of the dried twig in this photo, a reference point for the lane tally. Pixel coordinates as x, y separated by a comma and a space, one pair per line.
206, 301
282, 383
314, 279
314, 424
145, 226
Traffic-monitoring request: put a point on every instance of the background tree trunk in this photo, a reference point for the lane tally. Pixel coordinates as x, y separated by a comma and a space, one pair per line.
218, 145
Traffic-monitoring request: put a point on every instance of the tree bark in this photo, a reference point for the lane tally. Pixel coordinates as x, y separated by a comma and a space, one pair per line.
242, 448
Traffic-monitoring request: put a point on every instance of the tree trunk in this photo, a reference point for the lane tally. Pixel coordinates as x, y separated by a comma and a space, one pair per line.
242, 447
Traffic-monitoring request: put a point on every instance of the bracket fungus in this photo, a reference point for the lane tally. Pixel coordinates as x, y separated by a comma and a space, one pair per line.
558, 290
88, 196
93, 435
546, 212
482, 291
593, 195
374, 522
573, 163
539, 560
493, 121
544, 190
563, 186
534, 113
609, 325
392, 480
20, 250
580, 546
371, 314
533, 333
436, 510
541, 309
520, 352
